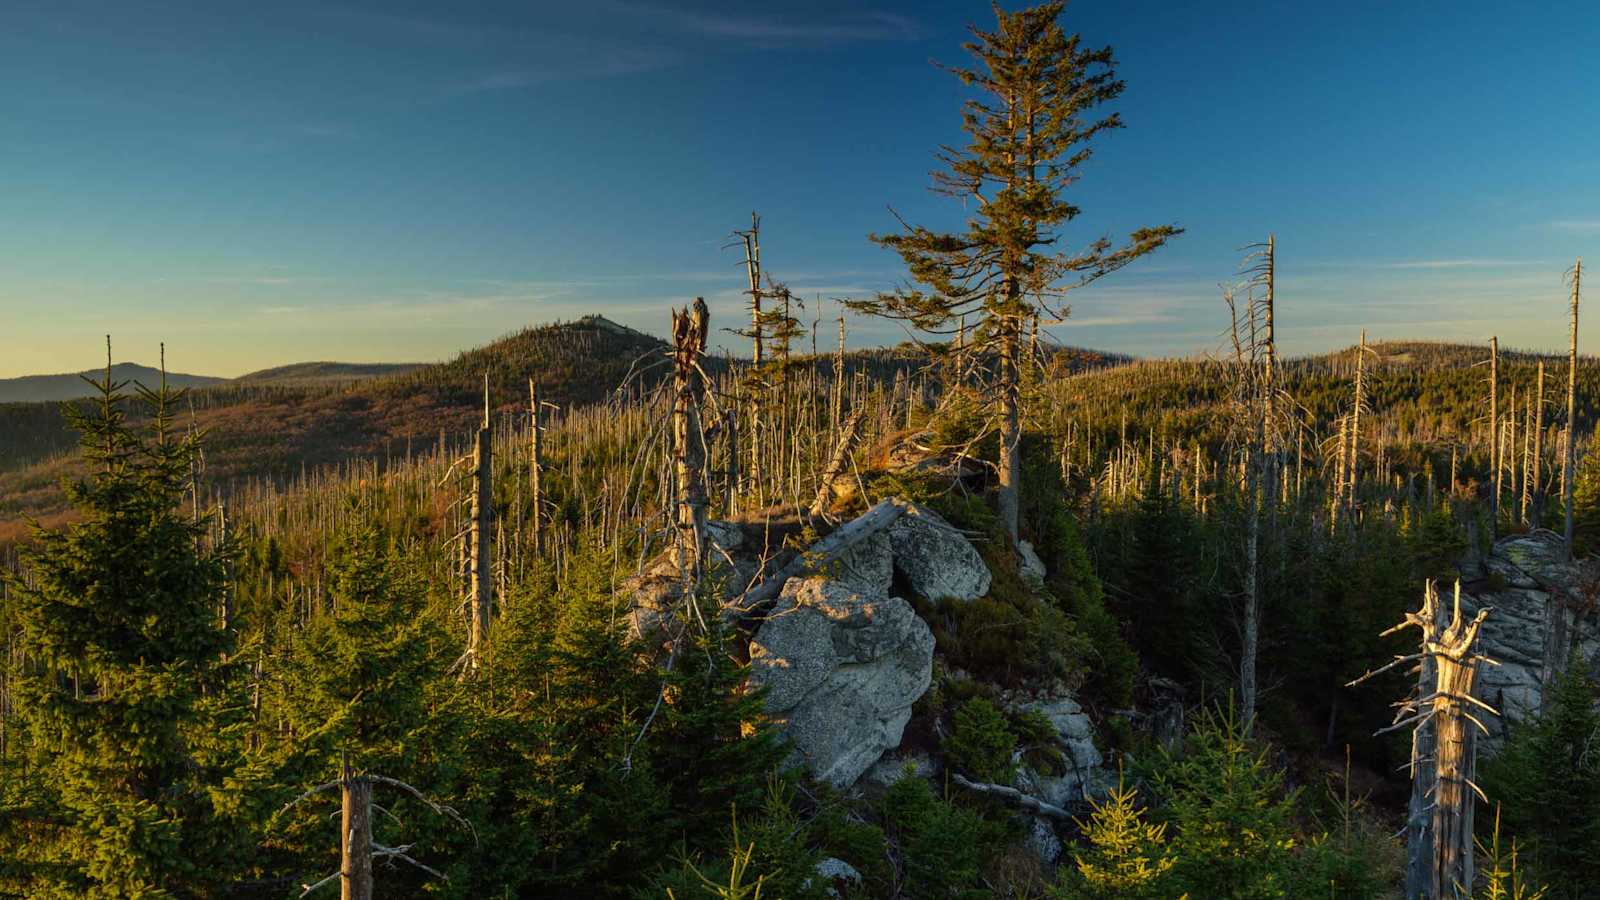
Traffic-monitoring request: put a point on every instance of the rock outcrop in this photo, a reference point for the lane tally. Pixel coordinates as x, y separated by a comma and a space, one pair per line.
1030, 567
1534, 592
935, 559
841, 659
868, 566
841, 667
1084, 777
657, 591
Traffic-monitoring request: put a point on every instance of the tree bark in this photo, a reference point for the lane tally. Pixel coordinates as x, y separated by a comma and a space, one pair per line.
1439, 819
536, 465
1010, 427
1355, 419
752, 261
1494, 436
355, 830
688, 343
1538, 448
1005, 792
1572, 405
1252, 607
837, 465
481, 587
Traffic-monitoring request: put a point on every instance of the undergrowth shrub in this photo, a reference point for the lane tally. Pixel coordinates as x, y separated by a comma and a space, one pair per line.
981, 742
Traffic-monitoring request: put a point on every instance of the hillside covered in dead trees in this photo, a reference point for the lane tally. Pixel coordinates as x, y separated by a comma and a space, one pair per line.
588, 612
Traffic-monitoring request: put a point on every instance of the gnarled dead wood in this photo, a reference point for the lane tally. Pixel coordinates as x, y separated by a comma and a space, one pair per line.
833, 546
1014, 796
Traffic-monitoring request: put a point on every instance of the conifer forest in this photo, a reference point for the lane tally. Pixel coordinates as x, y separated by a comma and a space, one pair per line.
600, 611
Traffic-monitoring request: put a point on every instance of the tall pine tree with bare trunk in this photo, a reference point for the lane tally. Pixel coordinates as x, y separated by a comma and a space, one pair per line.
1029, 126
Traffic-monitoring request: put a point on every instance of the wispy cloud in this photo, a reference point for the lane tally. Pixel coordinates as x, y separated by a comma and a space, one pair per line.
247, 279
866, 25
1460, 264
612, 62
1579, 225
1464, 262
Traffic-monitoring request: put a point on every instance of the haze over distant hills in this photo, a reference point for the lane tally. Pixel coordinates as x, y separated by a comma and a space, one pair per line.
276, 422
71, 385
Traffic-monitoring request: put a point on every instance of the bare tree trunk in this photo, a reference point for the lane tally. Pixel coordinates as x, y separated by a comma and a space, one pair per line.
1494, 436
837, 465
1538, 448
1526, 494
1010, 427
837, 401
481, 588
1342, 469
1355, 419
355, 832
752, 262
730, 500
1572, 405
536, 465
688, 445
1271, 301
1439, 820
227, 585
1252, 608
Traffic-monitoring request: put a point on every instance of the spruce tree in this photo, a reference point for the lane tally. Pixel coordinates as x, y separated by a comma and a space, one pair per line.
1127, 857
1547, 781
359, 676
363, 681
1029, 125
119, 616
1232, 819
1586, 506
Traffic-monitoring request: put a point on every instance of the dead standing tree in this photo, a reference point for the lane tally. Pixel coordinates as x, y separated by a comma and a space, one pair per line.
1357, 404
357, 849
1494, 435
1259, 420
1567, 474
1533, 485
688, 442
1443, 749
481, 584
536, 466
476, 557
751, 240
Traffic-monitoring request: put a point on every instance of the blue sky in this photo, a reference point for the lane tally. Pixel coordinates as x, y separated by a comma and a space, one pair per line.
261, 183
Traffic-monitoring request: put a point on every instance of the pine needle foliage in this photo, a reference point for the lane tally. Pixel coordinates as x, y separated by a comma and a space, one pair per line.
107, 798
1128, 857
1547, 784
1232, 818
1029, 124
1504, 876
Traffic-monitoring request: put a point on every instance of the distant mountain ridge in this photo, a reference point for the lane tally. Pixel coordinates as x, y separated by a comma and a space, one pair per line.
325, 371
71, 385
277, 423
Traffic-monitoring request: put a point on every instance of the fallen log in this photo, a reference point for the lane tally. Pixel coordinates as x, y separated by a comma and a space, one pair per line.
1011, 794
821, 553
837, 465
